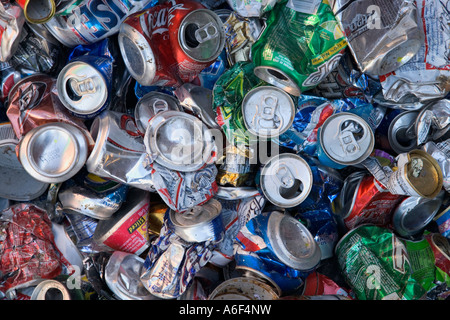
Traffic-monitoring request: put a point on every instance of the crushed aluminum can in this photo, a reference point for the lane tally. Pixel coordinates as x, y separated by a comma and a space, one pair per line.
66, 246
413, 214
82, 22
418, 174
119, 151
38, 11
344, 139
433, 121
297, 50
150, 105
17, 184
198, 100
126, 229
381, 36
440, 151
441, 249
267, 111
318, 284
200, 223
184, 190
427, 75
53, 152
10, 76
251, 8
442, 220
235, 168
243, 288
375, 264
12, 21
180, 141
286, 180
208, 77
122, 275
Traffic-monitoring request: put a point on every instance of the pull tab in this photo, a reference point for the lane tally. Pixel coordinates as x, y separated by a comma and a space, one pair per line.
267, 119
285, 176
86, 86
160, 105
207, 32
348, 142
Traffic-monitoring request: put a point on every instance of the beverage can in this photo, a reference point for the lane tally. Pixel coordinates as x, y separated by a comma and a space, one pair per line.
38, 11
243, 288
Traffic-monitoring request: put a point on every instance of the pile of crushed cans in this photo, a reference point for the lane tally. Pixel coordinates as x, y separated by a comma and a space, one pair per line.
225, 150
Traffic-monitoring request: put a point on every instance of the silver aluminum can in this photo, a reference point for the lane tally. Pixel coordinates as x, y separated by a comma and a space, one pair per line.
53, 152
82, 88
382, 35
413, 214
286, 180
179, 141
200, 223
17, 184
268, 111
122, 275
345, 139
150, 105
243, 288
402, 132
66, 246
119, 152
50, 290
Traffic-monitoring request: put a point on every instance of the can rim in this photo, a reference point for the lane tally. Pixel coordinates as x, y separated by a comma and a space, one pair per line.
41, 289
289, 85
238, 280
47, 18
442, 213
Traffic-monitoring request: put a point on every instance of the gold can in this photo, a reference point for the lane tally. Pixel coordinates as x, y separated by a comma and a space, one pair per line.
38, 11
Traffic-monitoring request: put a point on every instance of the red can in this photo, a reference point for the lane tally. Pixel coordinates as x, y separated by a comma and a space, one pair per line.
169, 44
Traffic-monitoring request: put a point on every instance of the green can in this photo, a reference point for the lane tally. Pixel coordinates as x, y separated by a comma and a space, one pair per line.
297, 50
376, 265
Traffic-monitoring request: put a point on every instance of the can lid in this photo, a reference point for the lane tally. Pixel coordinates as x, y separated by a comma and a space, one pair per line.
243, 288
414, 213
401, 132
267, 111
197, 215
150, 105
201, 35
137, 54
39, 11
277, 78
346, 138
50, 290
292, 242
82, 88
53, 152
179, 141
286, 180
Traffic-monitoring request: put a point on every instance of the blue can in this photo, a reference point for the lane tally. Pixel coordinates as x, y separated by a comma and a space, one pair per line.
280, 247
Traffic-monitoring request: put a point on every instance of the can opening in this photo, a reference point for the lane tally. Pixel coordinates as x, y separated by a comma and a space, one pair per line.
277, 74
71, 93
293, 191
54, 294
189, 35
404, 139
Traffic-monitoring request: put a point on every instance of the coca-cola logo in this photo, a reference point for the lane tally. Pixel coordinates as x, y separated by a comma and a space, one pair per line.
158, 22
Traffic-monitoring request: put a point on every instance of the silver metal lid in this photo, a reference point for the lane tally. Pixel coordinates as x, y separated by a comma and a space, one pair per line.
150, 105
292, 242
199, 223
53, 152
346, 138
401, 132
277, 78
267, 111
201, 35
413, 214
179, 141
286, 180
122, 275
243, 288
82, 88
137, 54
50, 290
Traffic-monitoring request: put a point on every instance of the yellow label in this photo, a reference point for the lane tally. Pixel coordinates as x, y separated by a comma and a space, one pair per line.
330, 52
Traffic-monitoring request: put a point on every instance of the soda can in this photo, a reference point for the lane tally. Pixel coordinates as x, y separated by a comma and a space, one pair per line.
441, 250
200, 223
442, 220
10, 76
344, 139
179, 141
126, 229
119, 151
267, 111
83, 22
81, 230
252, 8
12, 22
38, 11
84, 85
276, 54
286, 180
17, 184
375, 264
50, 289
397, 132
418, 174
53, 152
243, 288
381, 37
364, 200
122, 275
150, 105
